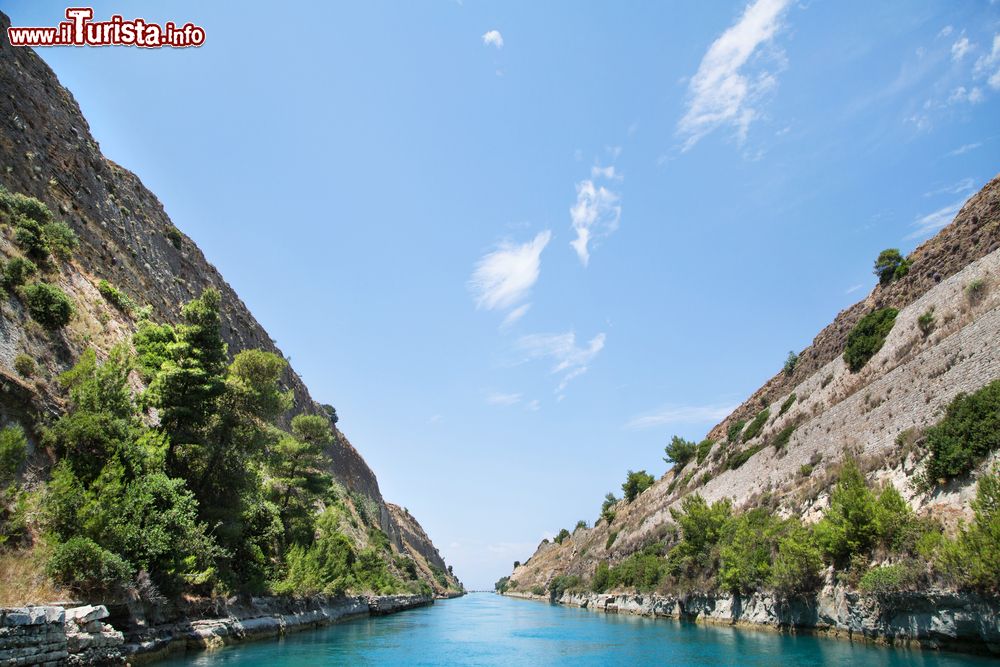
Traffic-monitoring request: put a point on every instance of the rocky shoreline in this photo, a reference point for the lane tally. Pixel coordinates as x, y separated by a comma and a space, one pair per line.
53, 635
948, 620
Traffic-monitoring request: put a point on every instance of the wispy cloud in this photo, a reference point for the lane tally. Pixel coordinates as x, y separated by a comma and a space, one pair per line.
988, 64
680, 414
960, 48
853, 288
723, 91
497, 398
533, 405
932, 222
514, 315
595, 214
504, 277
957, 188
965, 148
570, 361
608, 173
493, 38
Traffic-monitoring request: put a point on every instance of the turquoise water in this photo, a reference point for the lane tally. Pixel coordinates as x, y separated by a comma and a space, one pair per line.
486, 629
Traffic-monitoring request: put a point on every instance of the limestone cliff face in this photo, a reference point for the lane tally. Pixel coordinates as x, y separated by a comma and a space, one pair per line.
47, 152
902, 389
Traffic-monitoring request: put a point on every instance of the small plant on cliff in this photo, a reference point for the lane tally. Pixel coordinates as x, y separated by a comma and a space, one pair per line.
538, 589
890, 266
679, 451
868, 336
561, 536
581, 525
174, 236
968, 433
926, 322
17, 271
13, 450
60, 240
787, 404
608, 507
704, 448
757, 425
973, 558
783, 436
734, 430
635, 483
48, 305
24, 365
116, 297
563, 583
887, 579
976, 290
601, 579
791, 361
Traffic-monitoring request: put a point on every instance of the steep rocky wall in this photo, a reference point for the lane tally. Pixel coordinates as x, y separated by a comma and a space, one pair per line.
904, 388
126, 237
933, 619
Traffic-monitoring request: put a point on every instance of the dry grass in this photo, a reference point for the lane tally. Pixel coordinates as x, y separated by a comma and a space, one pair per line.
23, 580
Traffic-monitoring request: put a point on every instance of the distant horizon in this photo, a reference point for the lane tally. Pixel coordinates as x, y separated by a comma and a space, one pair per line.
534, 242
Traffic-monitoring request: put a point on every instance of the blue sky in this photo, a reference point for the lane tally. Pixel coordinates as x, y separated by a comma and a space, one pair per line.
519, 245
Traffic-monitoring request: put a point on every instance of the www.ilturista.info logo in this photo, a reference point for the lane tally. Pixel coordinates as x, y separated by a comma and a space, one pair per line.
80, 30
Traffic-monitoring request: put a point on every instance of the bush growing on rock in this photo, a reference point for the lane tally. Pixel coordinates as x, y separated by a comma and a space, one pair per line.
635, 483
561, 536
890, 265
85, 567
13, 450
968, 433
757, 425
48, 305
17, 271
867, 337
787, 404
679, 451
734, 430
116, 297
607, 507
24, 365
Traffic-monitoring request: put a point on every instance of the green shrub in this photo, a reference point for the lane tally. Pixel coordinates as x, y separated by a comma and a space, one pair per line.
406, 565
701, 526
889, 579
24, 365
757, 425
791, 361
797, 563
805, 470
679, 451
17, 271
888, 261
973, 559
734, 430
642, 570
737, 459
581, 525
29, 236
704, 449
174, 236
783, 436
976, 290
968, 433
563, 583
612, 536
115, 296
635, 483
868, 336
561, 536
48, 305
926, 322
608, 507
746, 554
601, 579
787, 404
82, 565
502, 584
537, 589
60, 239
13, 451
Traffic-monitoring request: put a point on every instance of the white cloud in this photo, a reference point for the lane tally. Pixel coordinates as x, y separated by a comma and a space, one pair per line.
965, 148
960, 48
988, 65
932, 222
681, 414
533, 405
961, 94
505, 276
493, 38
496, 398
945, 31
964, 185
853, 288
595, 214
608, 173
570, 361
514, 315
720, 92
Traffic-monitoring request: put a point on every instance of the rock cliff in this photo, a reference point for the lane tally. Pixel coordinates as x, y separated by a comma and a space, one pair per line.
126, 238
875, 414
